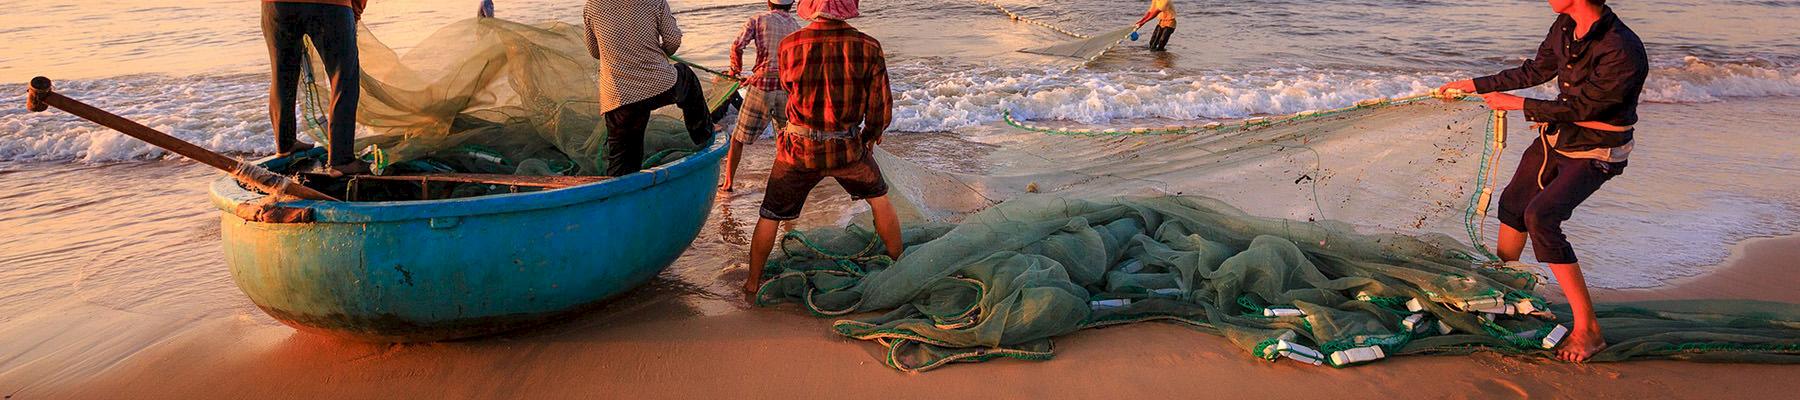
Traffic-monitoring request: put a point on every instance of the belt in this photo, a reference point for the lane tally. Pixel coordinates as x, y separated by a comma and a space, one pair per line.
815, 134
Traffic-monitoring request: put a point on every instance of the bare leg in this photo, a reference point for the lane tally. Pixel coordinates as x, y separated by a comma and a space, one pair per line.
1512, 242
731, 163
761, 243
887, 225
1584, 339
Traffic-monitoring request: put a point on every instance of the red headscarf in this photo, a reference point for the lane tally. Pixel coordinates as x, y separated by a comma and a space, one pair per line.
832, 9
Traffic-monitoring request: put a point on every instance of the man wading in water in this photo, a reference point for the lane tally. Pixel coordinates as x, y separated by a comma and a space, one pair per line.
838, 106
332, 26
764, 100
633, 40
1159, 41
1586, 137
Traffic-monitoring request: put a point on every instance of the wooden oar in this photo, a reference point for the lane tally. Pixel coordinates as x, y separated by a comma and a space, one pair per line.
41, 98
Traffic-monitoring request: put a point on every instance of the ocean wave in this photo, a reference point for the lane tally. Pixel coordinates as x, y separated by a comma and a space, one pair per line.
227, 113
961, 98
223, 113
1700, 81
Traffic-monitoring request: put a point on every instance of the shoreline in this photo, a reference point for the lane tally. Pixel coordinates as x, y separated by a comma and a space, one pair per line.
1757, 269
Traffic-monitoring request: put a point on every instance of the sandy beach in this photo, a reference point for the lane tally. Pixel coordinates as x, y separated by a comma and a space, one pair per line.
113, 283
685, 336
659, 346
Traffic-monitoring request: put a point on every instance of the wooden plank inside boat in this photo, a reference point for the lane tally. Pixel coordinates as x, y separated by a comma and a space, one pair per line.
547, 182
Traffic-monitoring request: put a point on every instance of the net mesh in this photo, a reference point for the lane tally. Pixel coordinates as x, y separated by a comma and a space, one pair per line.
1341, 249
492, 96
1087, 48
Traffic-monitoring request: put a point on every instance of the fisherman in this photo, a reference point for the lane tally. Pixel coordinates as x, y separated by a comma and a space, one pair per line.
332, 26
1584, 138
1159, 40
763, 98
633, 40
838, 105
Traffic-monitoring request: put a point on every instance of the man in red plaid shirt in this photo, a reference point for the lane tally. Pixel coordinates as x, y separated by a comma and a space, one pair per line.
838, 105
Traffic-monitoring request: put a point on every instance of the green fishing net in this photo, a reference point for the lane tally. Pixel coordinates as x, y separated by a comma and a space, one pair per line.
492, 96
1007, 280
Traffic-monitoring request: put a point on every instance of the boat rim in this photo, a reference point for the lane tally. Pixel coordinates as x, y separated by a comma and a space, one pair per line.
227, 195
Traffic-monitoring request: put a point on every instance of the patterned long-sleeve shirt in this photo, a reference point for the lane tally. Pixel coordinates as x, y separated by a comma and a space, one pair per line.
765, 31
836, 78
633, 40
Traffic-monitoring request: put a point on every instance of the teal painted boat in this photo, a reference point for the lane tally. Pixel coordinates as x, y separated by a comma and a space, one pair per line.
445, 269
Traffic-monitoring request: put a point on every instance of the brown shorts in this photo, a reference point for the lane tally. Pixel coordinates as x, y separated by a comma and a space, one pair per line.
789, 185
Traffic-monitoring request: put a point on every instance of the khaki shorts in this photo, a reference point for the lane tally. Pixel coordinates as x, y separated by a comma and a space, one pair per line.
760, 108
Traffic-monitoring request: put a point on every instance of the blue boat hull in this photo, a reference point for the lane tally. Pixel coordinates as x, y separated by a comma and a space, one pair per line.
447, 269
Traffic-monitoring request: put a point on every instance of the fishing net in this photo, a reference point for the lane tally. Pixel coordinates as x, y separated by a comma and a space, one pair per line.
1085, 48
1342, 249
488, 95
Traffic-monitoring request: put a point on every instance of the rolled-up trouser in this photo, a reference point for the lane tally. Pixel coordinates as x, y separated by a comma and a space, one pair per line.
625, 125
1540, 212
333, 32
1159, 40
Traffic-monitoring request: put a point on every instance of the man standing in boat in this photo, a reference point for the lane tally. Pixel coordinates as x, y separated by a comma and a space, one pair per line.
633, 40
1159, 41
838, 105
332, 26
763, 98
1584, 139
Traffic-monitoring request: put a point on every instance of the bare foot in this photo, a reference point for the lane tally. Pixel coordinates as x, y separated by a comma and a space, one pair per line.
750, 289
725, 186
298, 147
357, 167
1580, 345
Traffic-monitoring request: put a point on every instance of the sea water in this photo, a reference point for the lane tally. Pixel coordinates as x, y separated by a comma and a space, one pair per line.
91, 219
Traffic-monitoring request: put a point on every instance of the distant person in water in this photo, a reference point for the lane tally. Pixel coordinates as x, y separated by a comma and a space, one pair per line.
764, 100
633, 40
332, 26
838, 104
1585, 138
485, 10
1159, 41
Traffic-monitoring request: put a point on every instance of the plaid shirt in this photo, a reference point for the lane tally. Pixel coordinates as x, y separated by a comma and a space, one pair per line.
765, 30
836, 79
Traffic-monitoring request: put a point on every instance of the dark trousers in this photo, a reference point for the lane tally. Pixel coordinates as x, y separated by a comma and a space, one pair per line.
333, 32
1540, 212
1159, 40
625, 125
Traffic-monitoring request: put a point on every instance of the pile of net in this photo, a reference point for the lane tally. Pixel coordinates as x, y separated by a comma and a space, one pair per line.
1006, 280
487, 95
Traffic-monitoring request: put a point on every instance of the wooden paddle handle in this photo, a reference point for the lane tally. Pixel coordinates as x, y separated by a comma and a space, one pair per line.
42, 97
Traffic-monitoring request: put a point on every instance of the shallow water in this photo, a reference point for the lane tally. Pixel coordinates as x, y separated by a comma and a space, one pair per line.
98, 226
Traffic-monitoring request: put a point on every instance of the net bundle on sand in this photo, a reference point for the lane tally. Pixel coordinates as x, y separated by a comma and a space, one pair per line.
489, 95
1007, 280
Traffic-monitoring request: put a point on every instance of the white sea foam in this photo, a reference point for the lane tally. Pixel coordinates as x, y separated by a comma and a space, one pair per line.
227, 113
960, 98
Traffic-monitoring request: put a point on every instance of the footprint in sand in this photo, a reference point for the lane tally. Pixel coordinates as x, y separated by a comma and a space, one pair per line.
1499, 388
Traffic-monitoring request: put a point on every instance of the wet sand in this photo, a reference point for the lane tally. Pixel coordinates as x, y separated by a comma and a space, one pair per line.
664, 347
674, 340
146, 310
